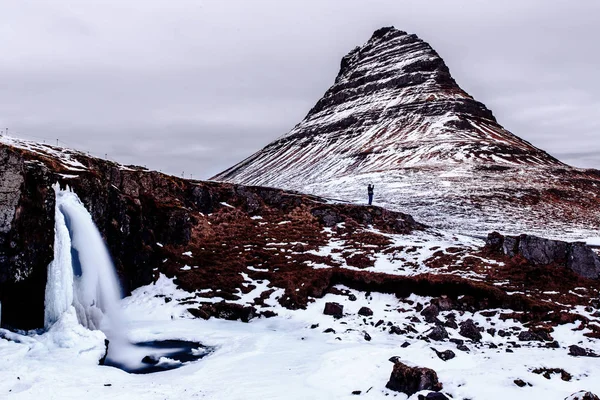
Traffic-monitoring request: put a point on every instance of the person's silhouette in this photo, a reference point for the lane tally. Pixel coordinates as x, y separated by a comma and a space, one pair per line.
370, 192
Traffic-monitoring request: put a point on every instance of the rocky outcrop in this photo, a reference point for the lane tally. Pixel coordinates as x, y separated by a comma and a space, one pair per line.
577, 256
410, 380
582, 395
147, 217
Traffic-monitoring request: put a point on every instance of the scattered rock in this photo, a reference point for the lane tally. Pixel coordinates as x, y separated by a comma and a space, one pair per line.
379, 323
352, 297
503, 333
367, 336
583, 395
356, 392
395, 329
433, 396
469, 330
405, 345
329, 330
462, 347
410, 380
520, 382
334, 309
577, 351
365, 312
548, 372
553, 345
430, 313
491, 331
438, 333
444, 355
529, 336
151, 360
314, 326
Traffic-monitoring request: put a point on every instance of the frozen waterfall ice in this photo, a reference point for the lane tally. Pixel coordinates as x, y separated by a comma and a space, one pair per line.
82, 276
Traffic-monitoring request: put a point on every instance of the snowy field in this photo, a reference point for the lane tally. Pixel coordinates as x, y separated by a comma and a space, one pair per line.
280, 357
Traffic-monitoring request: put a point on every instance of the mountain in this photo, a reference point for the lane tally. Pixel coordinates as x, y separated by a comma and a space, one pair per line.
332, 290
396, 118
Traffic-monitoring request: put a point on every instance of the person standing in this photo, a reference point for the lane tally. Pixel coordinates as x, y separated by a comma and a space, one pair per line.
370, 192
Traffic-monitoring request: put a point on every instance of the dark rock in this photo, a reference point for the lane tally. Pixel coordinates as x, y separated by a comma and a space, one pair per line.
367, 336
352, 297
438, 333
430, 313
462, 347
334, 309
329, 330
224, 310
450, 323
503, 333
433, 396
520, 383
529, 336
553, 345
469, 330
410, 380
103, 359
444, 355
577, 351
314, 326
577, 256
365, 311
583, 395
419, 307
405, 345
457, 341
491, 331
379, 323
415, 320
356, 392
492, 346
396, 329
394, 359
509, 351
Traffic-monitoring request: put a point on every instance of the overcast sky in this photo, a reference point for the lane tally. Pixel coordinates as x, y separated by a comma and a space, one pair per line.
196, 86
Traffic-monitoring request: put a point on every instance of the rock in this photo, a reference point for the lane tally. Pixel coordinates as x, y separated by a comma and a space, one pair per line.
457, 341
553, 345
509, 351
334, 309
577, 256
356, 392
503, 333
469, 330
329, 330
520, 383
314, 326
445, 303
450, 323
438, 333
365, 311
410, 380
379, 323
395, 329
405, 345
352, 297
577, 351
462, 347
582, 395
528, 336
444, 355
433, 396
367, 336
103, 359
430, 313
491, 331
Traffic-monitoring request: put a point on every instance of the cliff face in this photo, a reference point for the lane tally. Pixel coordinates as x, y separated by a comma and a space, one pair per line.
148, 220
395, 117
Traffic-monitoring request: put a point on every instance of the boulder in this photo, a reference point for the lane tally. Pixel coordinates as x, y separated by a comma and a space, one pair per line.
469, 330
410, 380
334, 309
438, 333
583, 395
577, 351
365, 311
433, 396
444, 355
430, 313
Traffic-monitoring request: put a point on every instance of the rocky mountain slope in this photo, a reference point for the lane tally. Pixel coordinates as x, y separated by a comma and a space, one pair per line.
395, 117
329, 275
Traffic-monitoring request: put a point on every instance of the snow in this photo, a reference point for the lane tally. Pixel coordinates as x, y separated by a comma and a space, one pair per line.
277, 357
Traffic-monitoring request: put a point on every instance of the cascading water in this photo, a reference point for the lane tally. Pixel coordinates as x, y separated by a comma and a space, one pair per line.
82, 281
82, 275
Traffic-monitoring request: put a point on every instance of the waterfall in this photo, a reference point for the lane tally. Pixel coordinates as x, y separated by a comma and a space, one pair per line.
82, 276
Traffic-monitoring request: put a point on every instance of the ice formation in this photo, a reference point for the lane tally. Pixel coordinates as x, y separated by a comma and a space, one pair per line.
82, 277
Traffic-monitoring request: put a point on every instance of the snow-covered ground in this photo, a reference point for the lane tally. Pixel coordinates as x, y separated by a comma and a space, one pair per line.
282, 357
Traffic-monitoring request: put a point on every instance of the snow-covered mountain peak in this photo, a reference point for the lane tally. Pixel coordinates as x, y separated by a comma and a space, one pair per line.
395, 117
